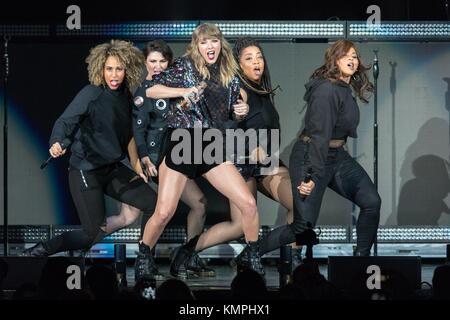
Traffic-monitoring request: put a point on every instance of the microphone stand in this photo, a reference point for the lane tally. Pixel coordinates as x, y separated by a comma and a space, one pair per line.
446, 10
376, 72
6, 38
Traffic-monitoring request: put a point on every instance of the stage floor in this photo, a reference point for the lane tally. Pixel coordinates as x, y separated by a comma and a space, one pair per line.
225, 274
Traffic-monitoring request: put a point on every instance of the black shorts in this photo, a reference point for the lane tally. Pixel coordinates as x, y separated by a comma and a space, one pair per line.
248, 171
192, 168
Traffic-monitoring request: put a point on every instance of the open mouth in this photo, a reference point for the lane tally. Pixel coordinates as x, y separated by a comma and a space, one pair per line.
211, 54
351, 66
114, 83
257, 71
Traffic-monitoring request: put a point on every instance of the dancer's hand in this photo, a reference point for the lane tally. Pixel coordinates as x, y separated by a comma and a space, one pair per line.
191, 96
306, 188
240, 109
140, 172
149, 167
56, 150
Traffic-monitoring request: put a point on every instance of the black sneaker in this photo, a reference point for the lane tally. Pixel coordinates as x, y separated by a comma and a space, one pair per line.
38, 250
145, 266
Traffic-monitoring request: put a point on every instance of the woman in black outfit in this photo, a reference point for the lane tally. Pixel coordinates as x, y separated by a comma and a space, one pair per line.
332, 116
97, 127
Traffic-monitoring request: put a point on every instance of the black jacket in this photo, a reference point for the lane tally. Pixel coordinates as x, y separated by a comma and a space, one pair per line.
332, 113
149, 124
97, 126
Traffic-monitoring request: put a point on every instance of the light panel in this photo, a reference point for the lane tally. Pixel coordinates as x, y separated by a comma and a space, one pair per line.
165, 30
399, 30
412, 234
282, 29
19, 30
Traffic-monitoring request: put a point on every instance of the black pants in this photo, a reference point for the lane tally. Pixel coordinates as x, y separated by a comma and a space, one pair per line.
343, 175
88, 189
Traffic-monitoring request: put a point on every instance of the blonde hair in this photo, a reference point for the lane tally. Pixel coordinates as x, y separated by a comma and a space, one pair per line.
128, 55
228, 66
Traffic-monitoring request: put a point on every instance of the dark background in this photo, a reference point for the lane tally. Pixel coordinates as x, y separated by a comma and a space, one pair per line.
132, 10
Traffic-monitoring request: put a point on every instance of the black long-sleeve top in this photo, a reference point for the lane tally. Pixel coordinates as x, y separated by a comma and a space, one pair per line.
97, 126
149, 123
262, 113
332, 114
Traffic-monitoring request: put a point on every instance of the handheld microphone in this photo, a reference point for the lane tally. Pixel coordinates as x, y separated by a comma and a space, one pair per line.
306, 180
46, 162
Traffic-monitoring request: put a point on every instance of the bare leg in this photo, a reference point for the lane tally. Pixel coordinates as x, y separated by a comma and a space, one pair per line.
195, 199
127, 216
228, 230
235, 189
280, 189
171, 185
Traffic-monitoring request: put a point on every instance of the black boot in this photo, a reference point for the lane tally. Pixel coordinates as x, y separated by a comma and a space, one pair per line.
297, 258
145, 266
241, 260
198, 266
37, 250
179, 266
361, 252
308, 238
250, 258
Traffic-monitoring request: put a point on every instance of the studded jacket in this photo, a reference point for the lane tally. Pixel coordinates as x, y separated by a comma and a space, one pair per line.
149, 124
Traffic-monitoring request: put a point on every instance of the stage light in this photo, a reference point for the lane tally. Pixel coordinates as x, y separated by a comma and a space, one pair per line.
26, 234
411, 234
282, 30
177, 234
25, 30
333, 234
172, 30
398, 30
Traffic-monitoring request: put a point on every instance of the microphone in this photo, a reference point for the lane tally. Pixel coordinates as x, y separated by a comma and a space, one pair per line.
46, 162
376, 69
186, 101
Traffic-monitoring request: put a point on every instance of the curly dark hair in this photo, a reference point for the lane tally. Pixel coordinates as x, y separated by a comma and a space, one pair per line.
330, 70
128, 55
